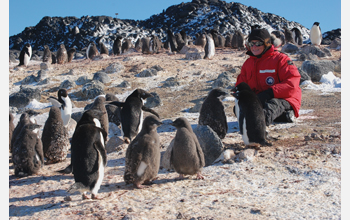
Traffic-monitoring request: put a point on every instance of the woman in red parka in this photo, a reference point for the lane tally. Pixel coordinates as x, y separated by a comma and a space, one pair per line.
273, 77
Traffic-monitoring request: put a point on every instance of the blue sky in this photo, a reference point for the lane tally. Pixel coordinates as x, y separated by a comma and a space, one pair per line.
24, 13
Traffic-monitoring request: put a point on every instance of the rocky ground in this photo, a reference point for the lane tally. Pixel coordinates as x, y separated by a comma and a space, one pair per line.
299, 177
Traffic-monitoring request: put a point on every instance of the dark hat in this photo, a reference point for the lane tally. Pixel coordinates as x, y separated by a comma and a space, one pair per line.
261, 35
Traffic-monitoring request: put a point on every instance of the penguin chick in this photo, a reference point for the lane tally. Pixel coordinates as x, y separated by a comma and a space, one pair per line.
55, 138
88, 154
212, 113
27, 153
187, 156
142, 158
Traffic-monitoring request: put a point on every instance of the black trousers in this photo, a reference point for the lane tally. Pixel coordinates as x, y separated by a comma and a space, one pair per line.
275, 110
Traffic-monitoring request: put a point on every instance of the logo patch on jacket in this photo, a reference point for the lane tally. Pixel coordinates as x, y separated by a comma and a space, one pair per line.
270, 80
267, 71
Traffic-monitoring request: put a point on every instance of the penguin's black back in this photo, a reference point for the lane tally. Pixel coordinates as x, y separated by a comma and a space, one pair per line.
130, 115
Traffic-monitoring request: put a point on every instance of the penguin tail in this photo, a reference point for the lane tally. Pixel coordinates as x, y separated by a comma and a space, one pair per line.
78, 187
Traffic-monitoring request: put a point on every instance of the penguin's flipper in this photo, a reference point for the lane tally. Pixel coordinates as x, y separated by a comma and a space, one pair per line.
54, 101
240, 122
144, 108
117, 103
200, 154
67, 170
101, 149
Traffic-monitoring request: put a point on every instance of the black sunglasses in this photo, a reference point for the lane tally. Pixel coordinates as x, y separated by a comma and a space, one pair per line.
258, 44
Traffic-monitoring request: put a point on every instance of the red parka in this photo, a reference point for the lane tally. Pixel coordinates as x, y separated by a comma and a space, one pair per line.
273, 70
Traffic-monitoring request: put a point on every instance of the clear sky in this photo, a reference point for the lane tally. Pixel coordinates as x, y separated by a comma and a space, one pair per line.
25, 13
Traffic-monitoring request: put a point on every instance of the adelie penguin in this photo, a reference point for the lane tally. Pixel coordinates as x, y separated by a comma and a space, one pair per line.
64, 103
209, 47
142, 157
187, 156
132, 113
212, 112
88, 154
316, 34
62, 55
27, 153
250, 115
91, 51
25, 55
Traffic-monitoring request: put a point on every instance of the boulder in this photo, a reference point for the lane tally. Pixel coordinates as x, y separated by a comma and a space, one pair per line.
92, 89
82, 80
312, 49
115, 68
315, 69
153, 101
290, 48
224, 80
210, 142
66, 84
24, 97
102, 77
171, 82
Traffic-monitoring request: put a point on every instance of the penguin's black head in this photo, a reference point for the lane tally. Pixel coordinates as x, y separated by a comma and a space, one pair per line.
317, 23
62, 93
89, 115
24, 117
142, 94
217, 92
28, 45
241, 87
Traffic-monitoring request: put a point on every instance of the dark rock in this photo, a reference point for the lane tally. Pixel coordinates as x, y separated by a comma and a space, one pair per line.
148, 73
290, 48
124, 84
304, 75
315, 69
153, 101
82, 80
102, 77
24, 97
210, 142
115, 68
224, 80
92, 89
336, 44
111, 97
171, 82
312, 49
66, 84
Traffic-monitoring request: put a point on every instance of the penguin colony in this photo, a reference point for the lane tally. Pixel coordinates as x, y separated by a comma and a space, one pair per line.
88, 153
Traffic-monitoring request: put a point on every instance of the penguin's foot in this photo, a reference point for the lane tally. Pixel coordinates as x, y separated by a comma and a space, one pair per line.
181, 177
93, 196
139, 186
126, 140
84, 196
199, 176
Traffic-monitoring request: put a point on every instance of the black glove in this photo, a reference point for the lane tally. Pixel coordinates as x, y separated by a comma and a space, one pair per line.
265, 96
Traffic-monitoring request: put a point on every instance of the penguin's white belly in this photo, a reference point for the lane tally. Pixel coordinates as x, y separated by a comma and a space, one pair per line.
141, 121
245, 134
141, 169
211, 49
67, 111
315, 36
26, 60
100, 171
237, 109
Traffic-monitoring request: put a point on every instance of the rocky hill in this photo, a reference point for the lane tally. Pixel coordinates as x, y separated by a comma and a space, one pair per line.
192, 17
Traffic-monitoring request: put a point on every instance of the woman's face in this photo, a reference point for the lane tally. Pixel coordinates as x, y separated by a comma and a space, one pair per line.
257, 50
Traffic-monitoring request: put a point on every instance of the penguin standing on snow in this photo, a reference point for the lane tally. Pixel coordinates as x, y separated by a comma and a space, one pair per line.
27, 153
209, 47
212, 113
88, 154
316, 34
187, 156
142, 157
131, 113
64, 103
55, 138
250, 115
25, 55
